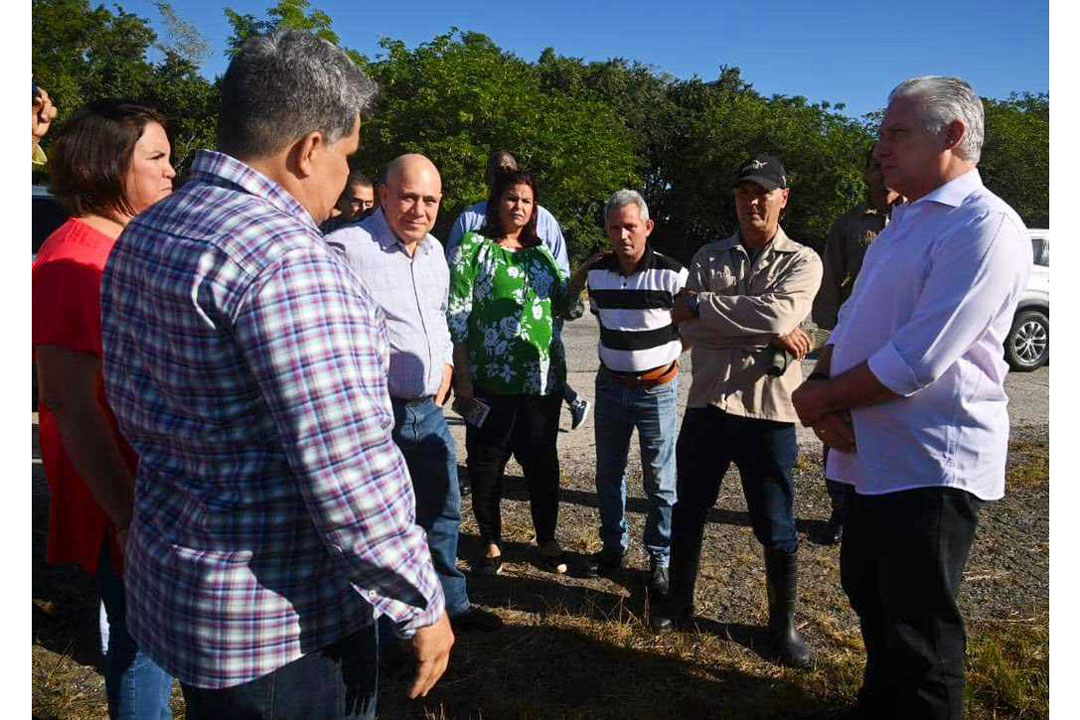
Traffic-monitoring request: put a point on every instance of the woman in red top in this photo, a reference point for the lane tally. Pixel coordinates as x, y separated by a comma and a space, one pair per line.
109, 162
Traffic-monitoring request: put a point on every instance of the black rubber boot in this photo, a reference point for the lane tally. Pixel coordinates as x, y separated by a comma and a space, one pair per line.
781, 572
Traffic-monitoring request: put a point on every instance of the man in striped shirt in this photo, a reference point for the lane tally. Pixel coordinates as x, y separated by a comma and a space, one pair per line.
632, 291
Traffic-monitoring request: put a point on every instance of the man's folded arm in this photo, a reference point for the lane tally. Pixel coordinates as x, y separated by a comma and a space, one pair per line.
313, 350
773, 313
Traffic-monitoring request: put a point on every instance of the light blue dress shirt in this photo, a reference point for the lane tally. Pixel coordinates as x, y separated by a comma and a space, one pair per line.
547, 227
930, 311
412, 292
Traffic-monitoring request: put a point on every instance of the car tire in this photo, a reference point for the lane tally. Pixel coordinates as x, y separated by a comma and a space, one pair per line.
1027, 345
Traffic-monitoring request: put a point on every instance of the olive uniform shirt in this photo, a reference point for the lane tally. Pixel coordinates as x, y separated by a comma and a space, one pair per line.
848, 240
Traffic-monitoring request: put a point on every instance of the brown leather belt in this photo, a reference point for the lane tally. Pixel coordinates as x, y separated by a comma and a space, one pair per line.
649, 378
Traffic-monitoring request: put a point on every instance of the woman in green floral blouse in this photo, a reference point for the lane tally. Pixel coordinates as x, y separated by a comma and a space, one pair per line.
506, 292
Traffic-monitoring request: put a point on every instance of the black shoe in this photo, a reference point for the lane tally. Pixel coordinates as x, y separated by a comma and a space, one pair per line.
603, 563
834, 529
464, 488
658, 581
476, 620
781, 572
834, 533
552, 557
485, 565
666, 620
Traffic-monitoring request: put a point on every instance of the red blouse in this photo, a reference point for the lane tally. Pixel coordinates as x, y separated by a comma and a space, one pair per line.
66, 281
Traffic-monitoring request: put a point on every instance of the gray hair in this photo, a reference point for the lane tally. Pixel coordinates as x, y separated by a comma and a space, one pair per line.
943, 100
283, 86
624, 197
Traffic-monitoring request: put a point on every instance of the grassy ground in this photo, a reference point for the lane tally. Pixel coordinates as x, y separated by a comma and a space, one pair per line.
576, 648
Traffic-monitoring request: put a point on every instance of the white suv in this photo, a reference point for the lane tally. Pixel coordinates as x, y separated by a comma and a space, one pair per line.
1028, 343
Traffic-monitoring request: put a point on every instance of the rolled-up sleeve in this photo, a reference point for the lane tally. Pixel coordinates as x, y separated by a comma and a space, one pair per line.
970, 278
319, 353
776, 312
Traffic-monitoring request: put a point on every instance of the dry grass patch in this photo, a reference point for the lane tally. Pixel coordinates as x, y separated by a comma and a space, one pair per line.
1028, 465
1009, 669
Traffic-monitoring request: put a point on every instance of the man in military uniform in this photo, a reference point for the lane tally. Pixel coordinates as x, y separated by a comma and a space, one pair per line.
851, 234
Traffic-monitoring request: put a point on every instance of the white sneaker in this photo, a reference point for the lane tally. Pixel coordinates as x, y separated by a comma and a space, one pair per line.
579, 410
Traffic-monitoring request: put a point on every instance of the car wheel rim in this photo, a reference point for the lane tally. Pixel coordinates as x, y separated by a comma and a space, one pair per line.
1031, 341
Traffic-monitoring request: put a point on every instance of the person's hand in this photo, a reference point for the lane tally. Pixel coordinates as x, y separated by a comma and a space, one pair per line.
680, 311
444, 389
835, 430
577, 282
432, 647
808, 400
463, 387
43, 112
796, 342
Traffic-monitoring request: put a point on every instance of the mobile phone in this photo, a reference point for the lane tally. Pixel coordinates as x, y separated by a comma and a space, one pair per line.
474, 411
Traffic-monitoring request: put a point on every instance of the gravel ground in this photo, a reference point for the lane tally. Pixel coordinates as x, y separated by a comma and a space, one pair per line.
1007, 577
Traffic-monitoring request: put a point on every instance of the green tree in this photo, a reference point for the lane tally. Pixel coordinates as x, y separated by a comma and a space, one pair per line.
82, 54
459, 97
184, 38
286, 15
1016, 154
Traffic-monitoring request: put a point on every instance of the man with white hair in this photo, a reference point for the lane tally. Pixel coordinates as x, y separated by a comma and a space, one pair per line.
915, 371
632, 291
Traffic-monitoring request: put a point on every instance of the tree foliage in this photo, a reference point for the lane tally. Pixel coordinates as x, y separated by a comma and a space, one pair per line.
1016, 154
459, 97
584, 129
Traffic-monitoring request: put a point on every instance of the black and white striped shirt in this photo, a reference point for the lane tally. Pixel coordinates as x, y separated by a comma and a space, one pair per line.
636, 331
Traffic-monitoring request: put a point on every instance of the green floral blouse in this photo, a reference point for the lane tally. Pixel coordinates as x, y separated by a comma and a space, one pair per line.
505, 306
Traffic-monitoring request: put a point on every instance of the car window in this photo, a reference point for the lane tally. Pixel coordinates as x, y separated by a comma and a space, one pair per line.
1040, 250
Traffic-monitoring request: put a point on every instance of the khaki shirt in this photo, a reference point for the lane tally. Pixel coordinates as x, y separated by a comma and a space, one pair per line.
743, 308
848, 239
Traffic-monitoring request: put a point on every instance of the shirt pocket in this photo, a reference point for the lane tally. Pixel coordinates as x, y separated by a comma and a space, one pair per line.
724, 282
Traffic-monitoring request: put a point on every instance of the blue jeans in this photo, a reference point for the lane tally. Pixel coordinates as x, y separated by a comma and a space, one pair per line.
420, 431
336, 682
136, 688
654, 412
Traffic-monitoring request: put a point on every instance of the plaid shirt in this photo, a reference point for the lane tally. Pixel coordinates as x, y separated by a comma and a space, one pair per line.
247, 366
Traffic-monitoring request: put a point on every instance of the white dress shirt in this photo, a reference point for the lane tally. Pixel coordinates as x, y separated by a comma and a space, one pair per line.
930, 311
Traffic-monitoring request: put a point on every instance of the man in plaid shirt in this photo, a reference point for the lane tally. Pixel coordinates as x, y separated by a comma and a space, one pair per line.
247, 365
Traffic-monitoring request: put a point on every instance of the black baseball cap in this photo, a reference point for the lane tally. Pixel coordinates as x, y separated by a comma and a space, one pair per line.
765, 170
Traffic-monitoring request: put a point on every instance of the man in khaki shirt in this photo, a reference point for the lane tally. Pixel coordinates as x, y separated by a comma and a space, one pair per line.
745, 298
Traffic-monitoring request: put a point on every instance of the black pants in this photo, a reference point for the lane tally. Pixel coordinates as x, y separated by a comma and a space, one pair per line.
901, 563
526, 426
337, 682
839, 493
765, 453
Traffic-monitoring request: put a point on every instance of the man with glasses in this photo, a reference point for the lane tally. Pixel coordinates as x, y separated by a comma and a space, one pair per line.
356, 202
403, 267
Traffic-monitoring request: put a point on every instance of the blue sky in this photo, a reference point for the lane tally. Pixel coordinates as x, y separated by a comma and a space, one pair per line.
826, 50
